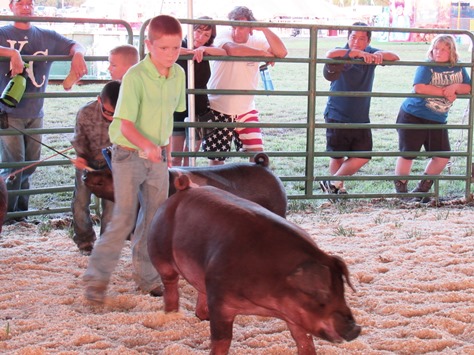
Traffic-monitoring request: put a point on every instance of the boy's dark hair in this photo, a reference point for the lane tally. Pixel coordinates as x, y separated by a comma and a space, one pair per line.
163, 25
369, 33
110, 92
241, 13
205, 27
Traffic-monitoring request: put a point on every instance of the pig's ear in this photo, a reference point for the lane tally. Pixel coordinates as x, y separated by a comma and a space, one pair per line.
182, 182
344, 270
312, 279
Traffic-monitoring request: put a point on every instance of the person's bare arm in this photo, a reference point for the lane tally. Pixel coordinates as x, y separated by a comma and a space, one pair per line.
339, 53
16, 63
388, 55
277, 47
198, 53
450, 92
213, 50
240, 50
374, 58
78, 64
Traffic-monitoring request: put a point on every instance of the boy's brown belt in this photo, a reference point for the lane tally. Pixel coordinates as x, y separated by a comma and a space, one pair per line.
141, 154
136, 150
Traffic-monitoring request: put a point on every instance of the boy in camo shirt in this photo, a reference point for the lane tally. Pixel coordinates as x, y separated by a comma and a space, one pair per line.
91, 134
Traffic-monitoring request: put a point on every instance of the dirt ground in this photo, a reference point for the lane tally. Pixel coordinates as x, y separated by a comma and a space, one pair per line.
413, 269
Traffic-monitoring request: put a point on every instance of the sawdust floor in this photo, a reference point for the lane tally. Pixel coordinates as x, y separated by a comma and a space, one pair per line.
413, 270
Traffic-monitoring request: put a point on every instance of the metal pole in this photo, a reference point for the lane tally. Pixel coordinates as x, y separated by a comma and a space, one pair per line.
190, 137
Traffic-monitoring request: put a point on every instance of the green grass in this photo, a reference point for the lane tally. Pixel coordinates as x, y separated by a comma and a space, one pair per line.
288, 109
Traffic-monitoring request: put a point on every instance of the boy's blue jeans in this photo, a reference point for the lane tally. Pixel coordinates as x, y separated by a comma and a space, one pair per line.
135, 180
83, 226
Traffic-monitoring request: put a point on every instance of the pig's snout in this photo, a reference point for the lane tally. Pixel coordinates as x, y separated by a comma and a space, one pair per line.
354, 333
93, 179
87, 180
346, 326
341, 327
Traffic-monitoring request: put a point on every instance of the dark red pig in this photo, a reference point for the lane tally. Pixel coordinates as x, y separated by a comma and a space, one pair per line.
245, 260
252, 181
3, 201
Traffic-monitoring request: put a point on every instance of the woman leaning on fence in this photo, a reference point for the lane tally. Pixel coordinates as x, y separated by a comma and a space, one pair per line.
445, 82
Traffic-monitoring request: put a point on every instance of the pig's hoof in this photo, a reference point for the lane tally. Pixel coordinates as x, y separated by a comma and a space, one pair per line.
261, 159
202, 315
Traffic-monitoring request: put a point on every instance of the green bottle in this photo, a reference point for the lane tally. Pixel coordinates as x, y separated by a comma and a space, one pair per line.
15, 89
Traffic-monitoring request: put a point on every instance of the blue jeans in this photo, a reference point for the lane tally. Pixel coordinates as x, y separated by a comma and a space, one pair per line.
84, 233
20, 148
135, 180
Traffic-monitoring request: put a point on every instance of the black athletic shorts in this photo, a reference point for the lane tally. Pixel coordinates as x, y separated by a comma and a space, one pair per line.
344, 139
412, 140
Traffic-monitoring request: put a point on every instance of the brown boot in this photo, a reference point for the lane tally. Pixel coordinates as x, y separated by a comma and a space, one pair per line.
401, 186
423, 186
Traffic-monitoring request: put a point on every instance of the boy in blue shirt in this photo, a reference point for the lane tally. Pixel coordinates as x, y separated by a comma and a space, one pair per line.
140, 133
350, 109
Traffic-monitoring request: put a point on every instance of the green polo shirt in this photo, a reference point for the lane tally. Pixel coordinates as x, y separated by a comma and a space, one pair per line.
149, 99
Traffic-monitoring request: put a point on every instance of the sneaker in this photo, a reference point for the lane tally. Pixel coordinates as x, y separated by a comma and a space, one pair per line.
95, 294
156, 292
327, 187
330, 188
9, 221
14, 220
401, 187
342, 191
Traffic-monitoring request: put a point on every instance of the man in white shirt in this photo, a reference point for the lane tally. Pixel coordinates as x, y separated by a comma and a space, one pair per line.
239, 75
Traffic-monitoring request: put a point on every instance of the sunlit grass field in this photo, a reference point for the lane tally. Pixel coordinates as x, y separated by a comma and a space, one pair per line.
289, 109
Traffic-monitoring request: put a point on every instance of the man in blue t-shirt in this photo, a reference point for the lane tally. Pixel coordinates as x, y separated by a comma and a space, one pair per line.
350, 109
17, 39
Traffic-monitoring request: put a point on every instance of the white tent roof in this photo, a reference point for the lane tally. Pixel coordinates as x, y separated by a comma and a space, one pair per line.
267, 9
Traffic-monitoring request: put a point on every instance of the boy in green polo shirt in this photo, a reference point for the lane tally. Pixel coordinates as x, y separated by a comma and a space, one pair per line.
140, 132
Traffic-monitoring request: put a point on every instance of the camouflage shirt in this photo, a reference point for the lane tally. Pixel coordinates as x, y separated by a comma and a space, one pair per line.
91, 134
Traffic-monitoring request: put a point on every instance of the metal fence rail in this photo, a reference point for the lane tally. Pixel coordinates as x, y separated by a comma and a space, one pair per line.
310, 126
